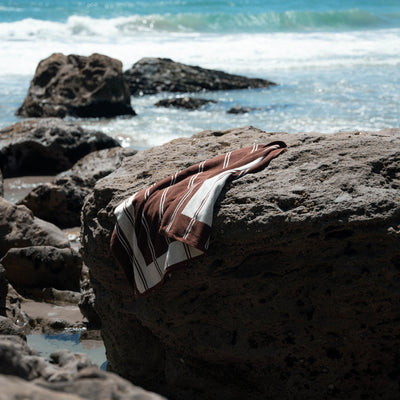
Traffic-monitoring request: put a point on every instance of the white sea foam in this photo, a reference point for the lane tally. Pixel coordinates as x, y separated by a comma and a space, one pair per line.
328, 80
32, 40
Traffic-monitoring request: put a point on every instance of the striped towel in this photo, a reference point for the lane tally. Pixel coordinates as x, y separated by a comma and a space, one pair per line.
165, 225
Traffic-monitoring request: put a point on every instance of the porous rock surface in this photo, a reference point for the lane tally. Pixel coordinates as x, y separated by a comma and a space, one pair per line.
60, 201
298, 295
66, 376
154, 75
20, 228
76, 85
8, 327
47, 146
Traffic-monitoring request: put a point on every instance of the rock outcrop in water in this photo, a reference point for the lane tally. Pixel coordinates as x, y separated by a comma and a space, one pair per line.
47, 146
297, 297
80, 86
188, 103
155, 75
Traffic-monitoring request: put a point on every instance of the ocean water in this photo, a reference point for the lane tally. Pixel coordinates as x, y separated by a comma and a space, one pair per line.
337, 63
47, 344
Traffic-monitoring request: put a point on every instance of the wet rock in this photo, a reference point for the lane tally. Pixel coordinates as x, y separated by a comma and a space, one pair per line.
60, 201
43, 267
155, 75
240, 110
79, 86
298, 288
19, 228
188, 103
47, 146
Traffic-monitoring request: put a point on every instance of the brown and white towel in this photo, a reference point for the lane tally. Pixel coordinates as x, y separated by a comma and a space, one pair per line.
165, 225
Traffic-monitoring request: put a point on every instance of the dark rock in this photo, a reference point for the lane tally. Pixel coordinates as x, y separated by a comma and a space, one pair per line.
155, 75
1, 184
55, 296
87, 307
3, 291
189, 103
60, 202
240, 110
47, 146
19, 228
43, 267
14, 307
80, 86
296, 296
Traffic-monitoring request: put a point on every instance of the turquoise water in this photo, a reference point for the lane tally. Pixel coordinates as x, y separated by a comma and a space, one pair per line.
217, 16
336, 62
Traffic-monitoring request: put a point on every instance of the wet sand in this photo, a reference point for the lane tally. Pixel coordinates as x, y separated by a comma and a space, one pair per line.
17, 188
51, 312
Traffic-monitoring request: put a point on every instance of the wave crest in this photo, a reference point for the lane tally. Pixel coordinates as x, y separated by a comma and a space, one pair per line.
289, 21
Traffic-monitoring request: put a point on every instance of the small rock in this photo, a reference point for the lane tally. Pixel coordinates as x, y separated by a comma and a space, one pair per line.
239, 110
7, 327
188, 103
52, 295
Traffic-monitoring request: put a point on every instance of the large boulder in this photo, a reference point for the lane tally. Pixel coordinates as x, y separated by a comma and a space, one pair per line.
297, 296
47, 146
43, 267
19, 228
60, 201
155, 75
80, 86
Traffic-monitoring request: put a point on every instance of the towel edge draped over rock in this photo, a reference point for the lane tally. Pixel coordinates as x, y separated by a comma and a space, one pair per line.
162, 227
